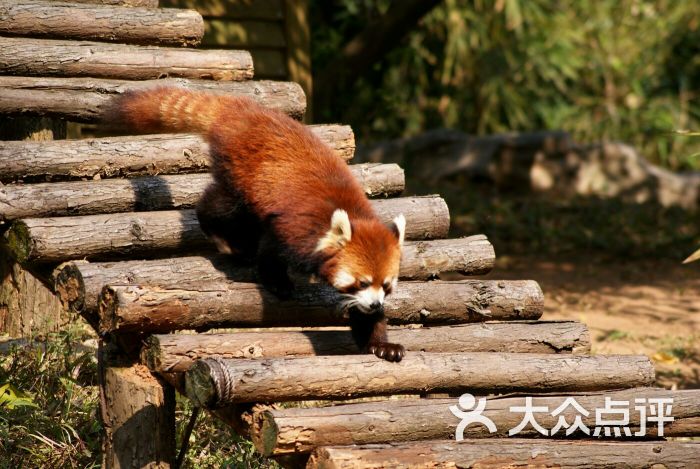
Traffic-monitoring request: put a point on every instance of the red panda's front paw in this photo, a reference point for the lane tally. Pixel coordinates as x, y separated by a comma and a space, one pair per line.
387, 351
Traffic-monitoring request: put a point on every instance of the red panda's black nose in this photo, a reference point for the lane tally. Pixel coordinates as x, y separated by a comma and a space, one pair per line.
375, 306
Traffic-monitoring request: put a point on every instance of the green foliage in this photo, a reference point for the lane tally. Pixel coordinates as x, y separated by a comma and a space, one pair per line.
605, 69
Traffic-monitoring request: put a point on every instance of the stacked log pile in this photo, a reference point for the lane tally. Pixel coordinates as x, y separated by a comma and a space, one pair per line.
108, 223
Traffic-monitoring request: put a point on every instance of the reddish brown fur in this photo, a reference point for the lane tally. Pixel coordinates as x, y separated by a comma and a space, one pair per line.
283, 171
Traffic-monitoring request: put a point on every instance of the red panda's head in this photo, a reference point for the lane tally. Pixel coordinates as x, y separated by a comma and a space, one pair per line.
363, 264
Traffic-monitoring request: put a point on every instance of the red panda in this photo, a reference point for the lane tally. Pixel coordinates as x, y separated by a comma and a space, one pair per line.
280, 194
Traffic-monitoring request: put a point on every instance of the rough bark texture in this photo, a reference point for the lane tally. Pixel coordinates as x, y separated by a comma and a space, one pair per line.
138, 415
79, 283
170, 353
85, 21
217, 382
155, 234
142, 309
300, 430
510, 453
147, 193
84, 99
145, 155
27, 307
45, 57
125, 3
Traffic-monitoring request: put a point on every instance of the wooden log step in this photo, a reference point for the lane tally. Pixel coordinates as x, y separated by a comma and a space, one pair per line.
175, 353
215, 382
85, 99
79, 283
300, 430
156, 234
149, 310
144, 155
46, 57
148, 193
510, 453
124, 3
83, 21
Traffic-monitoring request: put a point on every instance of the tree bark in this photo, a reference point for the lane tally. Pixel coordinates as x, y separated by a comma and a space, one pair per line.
83, 21
124, 3
144, 310
78, 283
171, 353
217, 382
300, 430
145, 155
510, 453
147, 193
85, 99
44, 57
137, 413
157, 234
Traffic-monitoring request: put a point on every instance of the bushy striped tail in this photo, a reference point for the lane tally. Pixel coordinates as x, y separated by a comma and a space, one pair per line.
165, 109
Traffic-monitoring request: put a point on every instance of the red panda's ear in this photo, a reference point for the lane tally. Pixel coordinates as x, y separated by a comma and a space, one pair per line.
398, 226
340, 233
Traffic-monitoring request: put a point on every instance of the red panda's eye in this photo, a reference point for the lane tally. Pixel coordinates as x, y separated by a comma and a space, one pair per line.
364, 284
387, 287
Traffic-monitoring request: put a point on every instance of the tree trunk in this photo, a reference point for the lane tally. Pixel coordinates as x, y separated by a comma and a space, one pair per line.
79, 283
85, 99
300, 430
145, 155
170, 353
27, 306
147, 193
147, 310
216, 382
138, 415
156, 234
43, 57
83, 21
510, 453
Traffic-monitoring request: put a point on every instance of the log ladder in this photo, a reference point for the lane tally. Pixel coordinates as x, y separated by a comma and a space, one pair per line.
104, 228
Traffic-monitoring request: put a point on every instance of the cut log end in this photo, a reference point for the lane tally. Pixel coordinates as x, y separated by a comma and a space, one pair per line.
202, 381
69, 286
19, 242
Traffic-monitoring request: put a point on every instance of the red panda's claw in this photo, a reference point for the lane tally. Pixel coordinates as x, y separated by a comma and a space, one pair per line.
387, 351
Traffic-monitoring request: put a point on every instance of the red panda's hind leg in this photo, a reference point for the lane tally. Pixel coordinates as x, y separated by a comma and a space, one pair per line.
225, 219
369, 332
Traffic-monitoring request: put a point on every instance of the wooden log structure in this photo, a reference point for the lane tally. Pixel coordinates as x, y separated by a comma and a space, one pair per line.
85, 99
510, 453
300, 430
144, 155
123, 3
215, 382
148, 193
154, 234
47, 57
144, 309
90, 22
175, 353
78, 283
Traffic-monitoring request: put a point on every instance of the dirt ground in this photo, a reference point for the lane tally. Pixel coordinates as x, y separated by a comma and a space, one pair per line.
635, 307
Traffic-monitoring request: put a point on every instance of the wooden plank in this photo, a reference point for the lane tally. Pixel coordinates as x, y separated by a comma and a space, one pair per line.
85, 99
90, 22
219, 382
124, 3
157, 234
148, 193
510, 453
79, 283
243, 34
144, 155
207, 305
300, 430
175, 353
46, 57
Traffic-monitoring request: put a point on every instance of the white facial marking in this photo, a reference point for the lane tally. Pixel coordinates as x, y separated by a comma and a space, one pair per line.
368, 296
340, 233
343, 279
